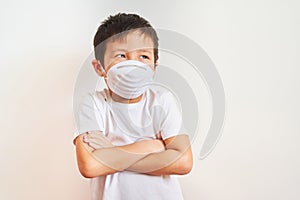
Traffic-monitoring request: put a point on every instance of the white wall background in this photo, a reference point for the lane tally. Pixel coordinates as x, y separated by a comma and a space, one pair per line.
254, 44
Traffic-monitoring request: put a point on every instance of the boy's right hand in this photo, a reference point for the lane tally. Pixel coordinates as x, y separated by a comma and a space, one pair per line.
97, 140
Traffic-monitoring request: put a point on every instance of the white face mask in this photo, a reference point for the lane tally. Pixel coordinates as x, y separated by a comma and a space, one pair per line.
129, 79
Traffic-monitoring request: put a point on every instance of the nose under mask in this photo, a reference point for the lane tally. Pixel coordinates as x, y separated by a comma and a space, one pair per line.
129, 79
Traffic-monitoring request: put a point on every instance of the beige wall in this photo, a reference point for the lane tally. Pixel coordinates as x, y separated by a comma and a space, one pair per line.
254, 45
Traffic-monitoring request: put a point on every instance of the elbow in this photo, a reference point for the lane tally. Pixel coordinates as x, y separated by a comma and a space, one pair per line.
86, 172
185, 164
185, 168
91, 171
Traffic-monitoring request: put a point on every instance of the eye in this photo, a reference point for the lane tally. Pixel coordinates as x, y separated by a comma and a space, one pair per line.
120, 55
144, 57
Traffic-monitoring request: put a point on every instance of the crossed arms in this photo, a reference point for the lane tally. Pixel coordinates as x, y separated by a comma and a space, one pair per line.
96, 156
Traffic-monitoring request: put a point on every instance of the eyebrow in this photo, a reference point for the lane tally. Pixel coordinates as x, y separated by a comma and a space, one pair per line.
142, 50
119, 50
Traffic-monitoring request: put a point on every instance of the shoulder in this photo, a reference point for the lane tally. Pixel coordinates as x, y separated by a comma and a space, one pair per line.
97, 98
161, 96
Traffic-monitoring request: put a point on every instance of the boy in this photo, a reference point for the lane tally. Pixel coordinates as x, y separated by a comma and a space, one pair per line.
130, 139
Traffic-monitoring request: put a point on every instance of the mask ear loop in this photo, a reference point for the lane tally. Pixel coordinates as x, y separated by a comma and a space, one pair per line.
103, 71
104, 95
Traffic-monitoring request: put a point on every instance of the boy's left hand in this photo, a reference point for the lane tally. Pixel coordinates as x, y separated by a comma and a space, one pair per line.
97, 140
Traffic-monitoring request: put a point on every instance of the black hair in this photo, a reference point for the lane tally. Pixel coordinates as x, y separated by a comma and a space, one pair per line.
118, 26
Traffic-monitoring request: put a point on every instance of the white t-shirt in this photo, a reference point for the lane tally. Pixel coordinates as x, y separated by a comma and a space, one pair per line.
156, 114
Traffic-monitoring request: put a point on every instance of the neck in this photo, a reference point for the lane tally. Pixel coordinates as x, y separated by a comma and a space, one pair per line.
120, 99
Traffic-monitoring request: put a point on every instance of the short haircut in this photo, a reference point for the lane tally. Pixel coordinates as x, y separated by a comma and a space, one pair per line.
119, 25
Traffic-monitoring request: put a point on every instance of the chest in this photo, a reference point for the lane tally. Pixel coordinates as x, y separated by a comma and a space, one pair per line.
124, 125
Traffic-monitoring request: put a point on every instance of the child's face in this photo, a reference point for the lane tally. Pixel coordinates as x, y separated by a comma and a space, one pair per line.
134, 46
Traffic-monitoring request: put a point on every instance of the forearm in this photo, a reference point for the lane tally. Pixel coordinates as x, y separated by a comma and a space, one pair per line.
163, 163
112, 159
121, 157
177, 159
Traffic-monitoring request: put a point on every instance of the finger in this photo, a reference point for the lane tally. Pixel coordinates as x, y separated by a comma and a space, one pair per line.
95, 140
95, 132
99, 146
99, 137
96, 135
101, 143
88, 144
85, 139
94, 145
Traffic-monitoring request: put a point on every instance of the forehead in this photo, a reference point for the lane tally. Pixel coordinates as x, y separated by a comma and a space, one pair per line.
131, 41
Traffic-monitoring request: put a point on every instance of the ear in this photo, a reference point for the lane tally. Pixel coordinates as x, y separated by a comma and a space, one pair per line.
98, 68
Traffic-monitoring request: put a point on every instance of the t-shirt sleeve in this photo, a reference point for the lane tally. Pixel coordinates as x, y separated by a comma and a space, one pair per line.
171, 121
89, 117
